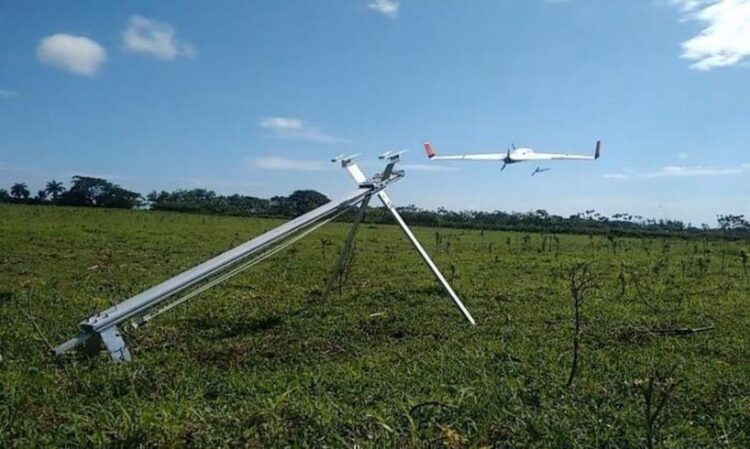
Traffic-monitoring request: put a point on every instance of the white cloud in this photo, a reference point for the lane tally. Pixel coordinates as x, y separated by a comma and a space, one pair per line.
154, 38
725, 39
7, 93
76, 54
280, 163
673, 171
690, 5
296, 129
615, 176
386, 7
281, 123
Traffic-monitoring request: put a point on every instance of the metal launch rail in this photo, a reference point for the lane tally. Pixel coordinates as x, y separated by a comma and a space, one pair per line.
102, 328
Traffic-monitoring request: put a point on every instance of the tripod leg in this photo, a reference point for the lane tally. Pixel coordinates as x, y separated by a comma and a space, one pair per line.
339, 265
386, 200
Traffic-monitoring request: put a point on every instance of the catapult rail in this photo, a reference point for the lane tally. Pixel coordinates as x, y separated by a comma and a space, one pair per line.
100, 322
102, 328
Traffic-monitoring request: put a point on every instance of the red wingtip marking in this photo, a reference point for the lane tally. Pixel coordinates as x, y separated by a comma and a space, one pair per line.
429, 150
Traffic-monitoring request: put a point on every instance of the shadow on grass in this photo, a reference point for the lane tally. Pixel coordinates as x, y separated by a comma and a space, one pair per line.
218, 329
6, 296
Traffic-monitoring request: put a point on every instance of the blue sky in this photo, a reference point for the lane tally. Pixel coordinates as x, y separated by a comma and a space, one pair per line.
254, 97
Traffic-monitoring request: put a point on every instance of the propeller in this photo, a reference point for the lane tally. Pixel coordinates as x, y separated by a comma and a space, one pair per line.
505, 161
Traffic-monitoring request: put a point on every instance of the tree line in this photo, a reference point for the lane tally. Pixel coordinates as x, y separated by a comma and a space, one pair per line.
85, 191
588, 222
204, 201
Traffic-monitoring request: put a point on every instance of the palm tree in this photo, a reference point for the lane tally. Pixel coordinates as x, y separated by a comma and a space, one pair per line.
19, 191
41, 195
54, 188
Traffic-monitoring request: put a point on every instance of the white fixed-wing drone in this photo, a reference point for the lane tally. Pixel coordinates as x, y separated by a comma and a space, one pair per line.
512, 156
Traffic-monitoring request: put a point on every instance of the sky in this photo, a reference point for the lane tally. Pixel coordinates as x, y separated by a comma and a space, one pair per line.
255, 97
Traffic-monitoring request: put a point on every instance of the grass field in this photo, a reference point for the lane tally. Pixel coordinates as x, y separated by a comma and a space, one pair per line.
264, 361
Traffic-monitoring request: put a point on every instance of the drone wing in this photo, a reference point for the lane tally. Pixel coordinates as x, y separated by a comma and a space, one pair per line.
561, 156
432, 155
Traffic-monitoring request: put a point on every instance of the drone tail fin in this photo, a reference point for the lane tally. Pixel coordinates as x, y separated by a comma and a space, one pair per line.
429, 150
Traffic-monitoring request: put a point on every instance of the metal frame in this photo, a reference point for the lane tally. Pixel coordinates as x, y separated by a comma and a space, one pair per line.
356, 173
102, 329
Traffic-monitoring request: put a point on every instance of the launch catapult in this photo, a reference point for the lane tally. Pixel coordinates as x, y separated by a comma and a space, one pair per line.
102, 329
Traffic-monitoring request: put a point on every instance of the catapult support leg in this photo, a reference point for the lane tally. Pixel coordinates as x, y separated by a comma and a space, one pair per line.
386, 200
112, 340
339, 265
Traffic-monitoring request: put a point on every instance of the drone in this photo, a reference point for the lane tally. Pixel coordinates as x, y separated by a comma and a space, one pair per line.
512, 156
540, 170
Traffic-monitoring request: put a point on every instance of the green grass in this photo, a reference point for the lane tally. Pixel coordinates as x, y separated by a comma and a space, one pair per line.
263, 361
